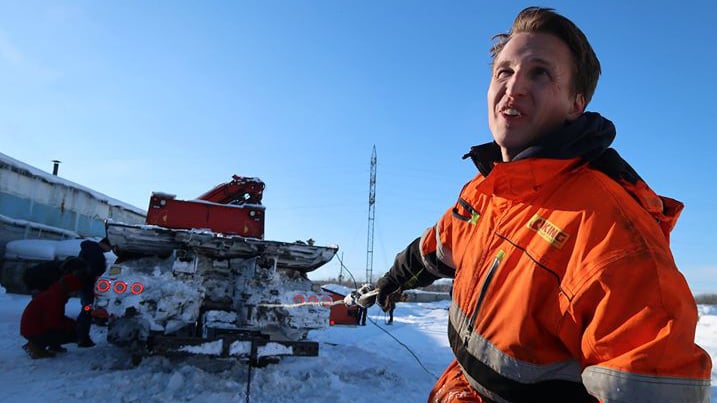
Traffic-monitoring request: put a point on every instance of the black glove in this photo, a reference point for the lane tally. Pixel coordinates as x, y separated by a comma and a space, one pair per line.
386, 287
364, 297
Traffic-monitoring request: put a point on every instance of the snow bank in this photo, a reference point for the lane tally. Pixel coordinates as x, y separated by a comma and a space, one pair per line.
707, 309
209, 348
42, 249
47, 249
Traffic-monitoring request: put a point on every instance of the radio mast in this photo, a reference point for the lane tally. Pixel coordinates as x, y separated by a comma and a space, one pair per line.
371, 218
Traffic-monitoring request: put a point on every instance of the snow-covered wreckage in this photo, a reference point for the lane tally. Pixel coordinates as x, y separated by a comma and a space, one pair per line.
175, 290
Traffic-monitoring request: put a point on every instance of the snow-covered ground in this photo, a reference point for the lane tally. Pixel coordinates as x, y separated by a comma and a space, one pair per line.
354, 364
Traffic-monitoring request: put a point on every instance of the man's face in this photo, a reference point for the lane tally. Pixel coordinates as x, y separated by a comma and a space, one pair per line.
530, 91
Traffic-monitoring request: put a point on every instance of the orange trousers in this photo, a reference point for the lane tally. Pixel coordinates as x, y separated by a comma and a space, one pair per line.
452, 387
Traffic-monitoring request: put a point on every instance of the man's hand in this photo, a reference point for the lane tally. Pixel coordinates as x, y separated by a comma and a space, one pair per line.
385, 288
367, 295
364, 297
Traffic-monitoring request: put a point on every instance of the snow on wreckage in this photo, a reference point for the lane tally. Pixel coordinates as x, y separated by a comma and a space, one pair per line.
199, 278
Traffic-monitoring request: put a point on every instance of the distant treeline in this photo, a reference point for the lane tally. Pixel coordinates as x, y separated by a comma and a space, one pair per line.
702, 299
437, 287
706, 299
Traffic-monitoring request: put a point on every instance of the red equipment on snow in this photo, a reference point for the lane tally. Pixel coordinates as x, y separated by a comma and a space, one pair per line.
230, 208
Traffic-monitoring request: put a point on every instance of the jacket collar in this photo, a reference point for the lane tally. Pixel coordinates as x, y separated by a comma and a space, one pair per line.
521, 180
587, 137
584, 140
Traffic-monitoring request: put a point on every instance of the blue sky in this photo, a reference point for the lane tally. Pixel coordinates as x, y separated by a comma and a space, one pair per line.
176, 96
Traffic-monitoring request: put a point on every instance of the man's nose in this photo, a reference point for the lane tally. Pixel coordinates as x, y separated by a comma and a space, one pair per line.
516, 84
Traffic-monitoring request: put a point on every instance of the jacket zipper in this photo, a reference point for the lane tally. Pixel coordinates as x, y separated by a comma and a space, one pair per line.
471, 323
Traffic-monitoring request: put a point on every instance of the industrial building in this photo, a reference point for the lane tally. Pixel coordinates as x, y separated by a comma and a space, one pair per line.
35, 204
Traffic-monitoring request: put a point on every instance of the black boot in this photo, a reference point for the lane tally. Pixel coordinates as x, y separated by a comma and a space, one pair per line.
36, 351
57, 349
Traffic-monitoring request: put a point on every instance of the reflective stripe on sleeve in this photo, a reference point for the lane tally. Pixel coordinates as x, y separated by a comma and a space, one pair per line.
611, 385
439, 263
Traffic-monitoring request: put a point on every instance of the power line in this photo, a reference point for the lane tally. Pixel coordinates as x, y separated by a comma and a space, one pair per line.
341, 269
348, 271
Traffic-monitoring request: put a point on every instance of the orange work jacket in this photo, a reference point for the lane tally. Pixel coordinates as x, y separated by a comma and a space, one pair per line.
565, 290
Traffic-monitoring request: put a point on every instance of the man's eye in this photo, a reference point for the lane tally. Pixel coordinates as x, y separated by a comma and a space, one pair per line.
502, 73
540, 72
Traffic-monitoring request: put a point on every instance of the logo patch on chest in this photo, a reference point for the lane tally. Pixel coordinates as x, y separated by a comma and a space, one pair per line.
548, 231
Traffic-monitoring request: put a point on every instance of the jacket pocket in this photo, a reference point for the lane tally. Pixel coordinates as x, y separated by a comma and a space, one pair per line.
465, 212
484, 289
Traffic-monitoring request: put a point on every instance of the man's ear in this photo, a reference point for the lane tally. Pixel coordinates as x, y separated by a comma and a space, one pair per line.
578, 107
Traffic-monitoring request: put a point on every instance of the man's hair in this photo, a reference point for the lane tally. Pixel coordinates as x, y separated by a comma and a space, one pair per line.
76, 266
586, 66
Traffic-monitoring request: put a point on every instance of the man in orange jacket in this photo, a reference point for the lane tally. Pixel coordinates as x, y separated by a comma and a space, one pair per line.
565, 289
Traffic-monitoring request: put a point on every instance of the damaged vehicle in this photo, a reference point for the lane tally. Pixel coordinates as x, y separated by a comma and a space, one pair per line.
198, 278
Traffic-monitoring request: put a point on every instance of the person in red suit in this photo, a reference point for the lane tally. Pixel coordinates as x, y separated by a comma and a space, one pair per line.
44, 323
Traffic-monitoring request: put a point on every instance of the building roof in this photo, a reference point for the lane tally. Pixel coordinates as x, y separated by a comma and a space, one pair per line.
29, 170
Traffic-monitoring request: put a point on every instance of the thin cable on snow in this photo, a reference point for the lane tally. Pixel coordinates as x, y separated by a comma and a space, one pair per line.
406, 347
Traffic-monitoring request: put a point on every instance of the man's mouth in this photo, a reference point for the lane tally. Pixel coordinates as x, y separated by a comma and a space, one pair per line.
511, 112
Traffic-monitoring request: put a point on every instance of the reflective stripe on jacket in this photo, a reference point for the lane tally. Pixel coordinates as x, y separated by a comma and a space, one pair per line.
565, 288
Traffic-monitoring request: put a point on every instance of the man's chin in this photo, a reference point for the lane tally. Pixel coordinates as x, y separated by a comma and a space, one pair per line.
511, 139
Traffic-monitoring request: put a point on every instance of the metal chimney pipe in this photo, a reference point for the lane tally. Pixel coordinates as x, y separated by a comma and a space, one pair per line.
55, 166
